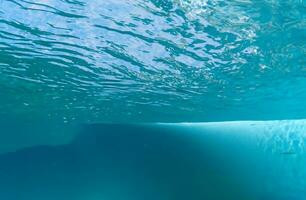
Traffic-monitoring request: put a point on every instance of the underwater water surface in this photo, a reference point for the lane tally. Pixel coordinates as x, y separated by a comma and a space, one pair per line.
152, 99
152, 60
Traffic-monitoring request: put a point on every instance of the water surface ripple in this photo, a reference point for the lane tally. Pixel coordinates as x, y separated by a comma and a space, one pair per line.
152, 60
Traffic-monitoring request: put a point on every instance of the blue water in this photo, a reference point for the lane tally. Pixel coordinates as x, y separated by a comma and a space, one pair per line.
152, 99
220, 160
152, 60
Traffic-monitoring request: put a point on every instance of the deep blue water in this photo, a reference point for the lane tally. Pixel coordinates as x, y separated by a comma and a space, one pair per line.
223, 160
111, 99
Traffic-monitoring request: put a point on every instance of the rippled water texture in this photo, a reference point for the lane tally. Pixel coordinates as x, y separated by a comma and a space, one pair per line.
77, 76
152, 60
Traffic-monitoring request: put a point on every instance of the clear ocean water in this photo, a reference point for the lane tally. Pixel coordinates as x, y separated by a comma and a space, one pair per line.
152, 99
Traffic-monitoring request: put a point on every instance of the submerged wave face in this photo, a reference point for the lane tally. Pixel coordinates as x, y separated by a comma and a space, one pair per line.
178, 161
152, 60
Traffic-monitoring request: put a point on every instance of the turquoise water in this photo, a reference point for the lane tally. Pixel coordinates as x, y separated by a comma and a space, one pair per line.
219, 160
152, 60
152, 99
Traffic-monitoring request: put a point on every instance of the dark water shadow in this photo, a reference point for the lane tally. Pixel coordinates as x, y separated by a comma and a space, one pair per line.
127, 162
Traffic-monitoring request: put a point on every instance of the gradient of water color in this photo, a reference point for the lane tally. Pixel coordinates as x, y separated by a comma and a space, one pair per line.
99, 99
